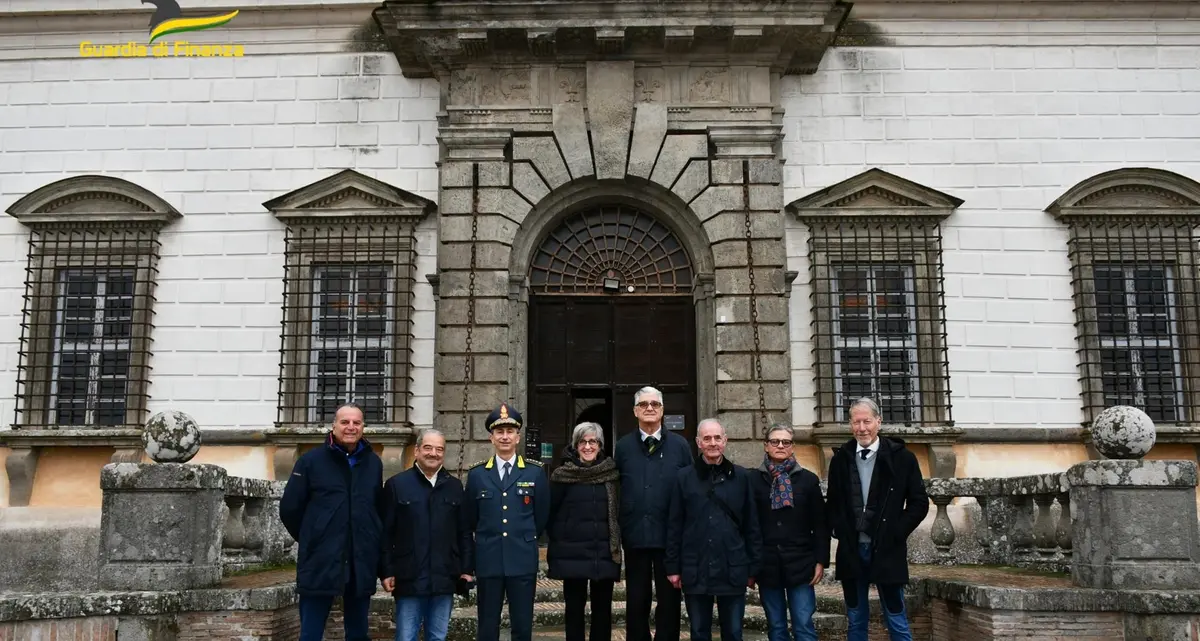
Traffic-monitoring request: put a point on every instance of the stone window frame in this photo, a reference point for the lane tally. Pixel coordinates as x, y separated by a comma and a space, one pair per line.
99, 213
874, 199
384, 219
1139, 199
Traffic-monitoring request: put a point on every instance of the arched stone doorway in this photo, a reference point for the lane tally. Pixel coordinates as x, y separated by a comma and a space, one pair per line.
610, 311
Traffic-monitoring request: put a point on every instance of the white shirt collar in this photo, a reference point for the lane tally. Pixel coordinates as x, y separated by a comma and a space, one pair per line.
432, 479
873, 449
655, 434
501, 461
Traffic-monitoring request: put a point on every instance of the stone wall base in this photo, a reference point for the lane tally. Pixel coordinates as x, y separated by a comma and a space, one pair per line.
952, 620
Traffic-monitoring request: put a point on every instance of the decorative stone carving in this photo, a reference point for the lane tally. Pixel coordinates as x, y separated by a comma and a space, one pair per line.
1137, 191
649, 85
1123, 432
509, 87
171, 437
99, 199
571, 85
710, 85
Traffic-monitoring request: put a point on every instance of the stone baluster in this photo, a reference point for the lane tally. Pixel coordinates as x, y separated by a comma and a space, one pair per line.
1043, 526
253, 525
1064, 532
1021, 532
235, 529
942, 530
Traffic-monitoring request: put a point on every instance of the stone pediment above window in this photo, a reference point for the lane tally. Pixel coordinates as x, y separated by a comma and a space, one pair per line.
92, 200
875, 193
349, 194
1135, 192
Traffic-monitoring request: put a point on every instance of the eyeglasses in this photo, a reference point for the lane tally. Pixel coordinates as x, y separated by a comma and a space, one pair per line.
779, 442
589, 441
649, 404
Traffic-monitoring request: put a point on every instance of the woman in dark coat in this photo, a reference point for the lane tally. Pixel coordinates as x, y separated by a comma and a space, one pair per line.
585, 539
795, 538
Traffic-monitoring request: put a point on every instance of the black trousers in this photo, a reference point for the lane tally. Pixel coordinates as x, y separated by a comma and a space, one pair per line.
643, 568
520, 593
576, 593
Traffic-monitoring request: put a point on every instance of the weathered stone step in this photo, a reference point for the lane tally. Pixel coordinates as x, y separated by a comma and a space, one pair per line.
464, 621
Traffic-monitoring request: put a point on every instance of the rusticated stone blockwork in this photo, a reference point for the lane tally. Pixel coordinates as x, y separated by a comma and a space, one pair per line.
552, 109
717, 189
280, 625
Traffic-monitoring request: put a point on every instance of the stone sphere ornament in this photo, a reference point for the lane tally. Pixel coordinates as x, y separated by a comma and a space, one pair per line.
1123, 432
171, 437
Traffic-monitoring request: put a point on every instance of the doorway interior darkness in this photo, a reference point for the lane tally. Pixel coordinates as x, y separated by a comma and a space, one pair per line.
611, 311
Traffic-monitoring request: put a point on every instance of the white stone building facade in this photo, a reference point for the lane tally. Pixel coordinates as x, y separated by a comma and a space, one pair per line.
977, 117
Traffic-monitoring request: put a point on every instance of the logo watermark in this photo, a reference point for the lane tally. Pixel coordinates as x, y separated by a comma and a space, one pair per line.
167, 20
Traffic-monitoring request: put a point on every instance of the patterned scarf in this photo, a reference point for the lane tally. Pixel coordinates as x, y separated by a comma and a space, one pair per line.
781, 483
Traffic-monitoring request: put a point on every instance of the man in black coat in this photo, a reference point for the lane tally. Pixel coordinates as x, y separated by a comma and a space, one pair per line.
876, 499
791, 511
425, 538
331, 507
714, 544
649, 460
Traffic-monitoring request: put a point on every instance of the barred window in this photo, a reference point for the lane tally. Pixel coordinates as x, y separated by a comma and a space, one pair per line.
353, 334
875, 254
875, 332
350, 261
89, 291
1132, 248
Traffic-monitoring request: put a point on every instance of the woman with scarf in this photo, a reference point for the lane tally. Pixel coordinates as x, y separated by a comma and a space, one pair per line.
585, 539
795, 538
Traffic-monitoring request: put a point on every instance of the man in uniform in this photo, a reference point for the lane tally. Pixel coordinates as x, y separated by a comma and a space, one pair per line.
508, 508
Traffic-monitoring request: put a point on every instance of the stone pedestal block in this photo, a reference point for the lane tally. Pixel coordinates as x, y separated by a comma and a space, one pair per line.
1135, 525
161, 526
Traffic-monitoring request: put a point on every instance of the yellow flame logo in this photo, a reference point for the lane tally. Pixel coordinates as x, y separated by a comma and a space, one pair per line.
168, 19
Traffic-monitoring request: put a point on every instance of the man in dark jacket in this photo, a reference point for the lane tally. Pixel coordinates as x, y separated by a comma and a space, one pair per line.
791, 511
876, 499
649, 460
330, 506
714, 544
425, 535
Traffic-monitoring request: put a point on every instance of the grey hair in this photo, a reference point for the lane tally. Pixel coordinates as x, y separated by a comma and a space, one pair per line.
584, 429
706, 421
429, 431
782, 427
637, 397
868, 403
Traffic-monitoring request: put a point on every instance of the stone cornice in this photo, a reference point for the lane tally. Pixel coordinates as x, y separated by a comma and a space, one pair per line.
92, 199
1025, 9
349, 194
433, 38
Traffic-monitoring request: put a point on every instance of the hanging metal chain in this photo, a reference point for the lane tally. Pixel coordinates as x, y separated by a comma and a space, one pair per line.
468, 358
758, 373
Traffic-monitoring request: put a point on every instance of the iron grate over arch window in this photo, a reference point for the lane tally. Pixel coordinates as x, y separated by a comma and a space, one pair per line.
610, 243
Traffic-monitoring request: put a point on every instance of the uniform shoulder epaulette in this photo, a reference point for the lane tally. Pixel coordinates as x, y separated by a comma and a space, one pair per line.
478, 463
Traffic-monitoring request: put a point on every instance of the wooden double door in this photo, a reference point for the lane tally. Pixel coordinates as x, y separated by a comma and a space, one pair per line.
588, 355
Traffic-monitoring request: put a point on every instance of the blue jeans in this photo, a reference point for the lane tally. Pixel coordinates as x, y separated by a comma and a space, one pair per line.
314, 613
432, 611
801, 601
858, 604
730, 610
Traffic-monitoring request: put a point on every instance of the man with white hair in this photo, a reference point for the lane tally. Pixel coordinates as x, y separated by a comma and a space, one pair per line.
648, 460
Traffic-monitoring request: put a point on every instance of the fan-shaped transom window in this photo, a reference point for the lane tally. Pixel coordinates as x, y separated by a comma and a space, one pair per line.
611, 249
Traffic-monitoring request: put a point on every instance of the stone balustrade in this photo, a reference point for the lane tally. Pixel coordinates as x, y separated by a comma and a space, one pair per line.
253, 535
1023, 521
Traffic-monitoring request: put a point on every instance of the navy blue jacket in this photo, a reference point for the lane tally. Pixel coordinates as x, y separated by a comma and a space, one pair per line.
425, 532
507, 518
580, 545
331, 508
647, 481
715, 551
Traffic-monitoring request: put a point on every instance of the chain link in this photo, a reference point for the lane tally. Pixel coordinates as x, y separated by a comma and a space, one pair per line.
468, 358
758, 372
